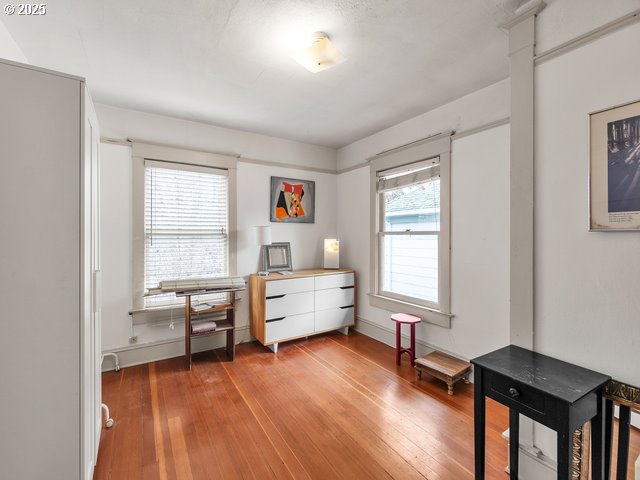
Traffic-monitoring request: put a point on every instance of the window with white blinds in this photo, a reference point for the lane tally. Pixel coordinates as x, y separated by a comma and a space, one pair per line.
186, 218
408, 232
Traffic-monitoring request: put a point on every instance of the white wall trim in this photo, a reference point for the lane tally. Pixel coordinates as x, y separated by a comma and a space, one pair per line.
41, 70
416, 143
176, 154
269, 163
529, 9
454, 136
596, 33
132, 355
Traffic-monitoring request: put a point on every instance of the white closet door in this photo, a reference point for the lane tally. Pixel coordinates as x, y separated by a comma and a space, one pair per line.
90, 326
40, 146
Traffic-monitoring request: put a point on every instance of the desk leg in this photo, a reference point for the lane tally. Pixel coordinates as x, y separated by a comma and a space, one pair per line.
231, 334
479, 422
597, 439
608, 437
187, 329
565, 451
623, 442
514, 443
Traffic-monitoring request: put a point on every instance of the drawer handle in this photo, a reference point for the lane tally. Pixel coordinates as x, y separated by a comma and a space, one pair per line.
275, 319
276, 296
514, 392
344, 288
348, 306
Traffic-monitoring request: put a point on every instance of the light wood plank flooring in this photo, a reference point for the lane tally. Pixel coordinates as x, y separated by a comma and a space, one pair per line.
328, 407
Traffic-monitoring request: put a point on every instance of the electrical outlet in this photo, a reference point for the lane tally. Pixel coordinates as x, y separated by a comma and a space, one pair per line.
133, 339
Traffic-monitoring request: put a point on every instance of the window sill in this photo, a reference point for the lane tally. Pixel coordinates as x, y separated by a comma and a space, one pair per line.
427, 314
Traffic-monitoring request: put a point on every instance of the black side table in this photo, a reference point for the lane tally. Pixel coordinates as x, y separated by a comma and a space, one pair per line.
557, 394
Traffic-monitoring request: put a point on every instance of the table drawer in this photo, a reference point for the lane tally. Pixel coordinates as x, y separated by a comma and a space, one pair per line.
334, 318
293, 285
513, 392
334, 297
288, 304
334, 281
289, 327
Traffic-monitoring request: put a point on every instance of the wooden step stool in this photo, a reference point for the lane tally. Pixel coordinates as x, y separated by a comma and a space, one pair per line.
444, 367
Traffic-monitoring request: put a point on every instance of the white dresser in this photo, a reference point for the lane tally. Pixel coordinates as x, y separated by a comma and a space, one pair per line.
302, 304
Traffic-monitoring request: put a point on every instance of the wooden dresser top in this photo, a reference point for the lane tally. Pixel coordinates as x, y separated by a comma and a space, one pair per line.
311, 272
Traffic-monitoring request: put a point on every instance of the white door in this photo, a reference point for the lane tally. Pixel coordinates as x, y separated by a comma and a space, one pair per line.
96, 325
91, 344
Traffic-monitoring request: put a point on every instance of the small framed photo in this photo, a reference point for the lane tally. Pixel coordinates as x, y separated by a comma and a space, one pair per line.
614, 168
278, 257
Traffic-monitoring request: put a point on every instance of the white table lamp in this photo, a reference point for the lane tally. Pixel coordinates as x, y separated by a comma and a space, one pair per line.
331, 253
263, 237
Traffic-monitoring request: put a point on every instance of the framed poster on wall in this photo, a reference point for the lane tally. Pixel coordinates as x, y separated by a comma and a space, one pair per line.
614, 168
292, 200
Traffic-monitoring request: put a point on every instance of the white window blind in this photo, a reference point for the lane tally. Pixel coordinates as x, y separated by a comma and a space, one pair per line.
186, 225
408, 232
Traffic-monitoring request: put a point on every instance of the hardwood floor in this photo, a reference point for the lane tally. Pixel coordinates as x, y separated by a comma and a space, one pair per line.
328, 407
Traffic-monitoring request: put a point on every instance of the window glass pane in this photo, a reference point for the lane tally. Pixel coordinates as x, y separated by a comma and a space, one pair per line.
185, 228
410, 266
414, 207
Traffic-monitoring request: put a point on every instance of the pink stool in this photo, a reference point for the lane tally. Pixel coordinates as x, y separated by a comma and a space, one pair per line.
401, 318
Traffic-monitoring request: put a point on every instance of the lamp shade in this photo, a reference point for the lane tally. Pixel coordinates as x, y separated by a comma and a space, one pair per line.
331, 253
263, 235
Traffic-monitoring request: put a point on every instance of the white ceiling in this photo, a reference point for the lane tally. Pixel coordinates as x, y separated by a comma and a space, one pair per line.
226, 62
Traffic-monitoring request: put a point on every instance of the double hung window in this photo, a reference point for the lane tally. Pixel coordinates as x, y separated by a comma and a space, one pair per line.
409, 230
186, 225
410, 221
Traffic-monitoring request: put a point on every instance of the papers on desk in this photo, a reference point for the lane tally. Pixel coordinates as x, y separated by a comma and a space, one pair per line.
209, 284
201, 307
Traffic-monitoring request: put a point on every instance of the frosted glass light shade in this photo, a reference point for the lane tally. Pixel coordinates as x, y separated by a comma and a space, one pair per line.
319, 55
331, 253
263, 235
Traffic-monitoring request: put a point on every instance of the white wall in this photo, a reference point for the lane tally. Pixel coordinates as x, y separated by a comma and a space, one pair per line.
586, 301
120, 123
115, 228
479, 222
9, 49
253, 191
479, 108
564, 20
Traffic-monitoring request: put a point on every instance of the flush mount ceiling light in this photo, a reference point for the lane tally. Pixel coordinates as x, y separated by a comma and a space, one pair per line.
320, 55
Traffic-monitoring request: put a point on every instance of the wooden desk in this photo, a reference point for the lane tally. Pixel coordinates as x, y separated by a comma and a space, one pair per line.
556, 394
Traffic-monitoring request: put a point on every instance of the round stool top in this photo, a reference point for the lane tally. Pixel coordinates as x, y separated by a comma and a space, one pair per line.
405, 318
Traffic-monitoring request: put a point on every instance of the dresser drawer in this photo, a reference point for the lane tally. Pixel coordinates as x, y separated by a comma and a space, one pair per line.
287, 304
334, 297
289, 327
334, 281
294, 285
334, 318
508, 391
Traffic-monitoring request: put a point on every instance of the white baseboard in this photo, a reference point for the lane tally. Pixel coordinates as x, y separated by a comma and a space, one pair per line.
170, 348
